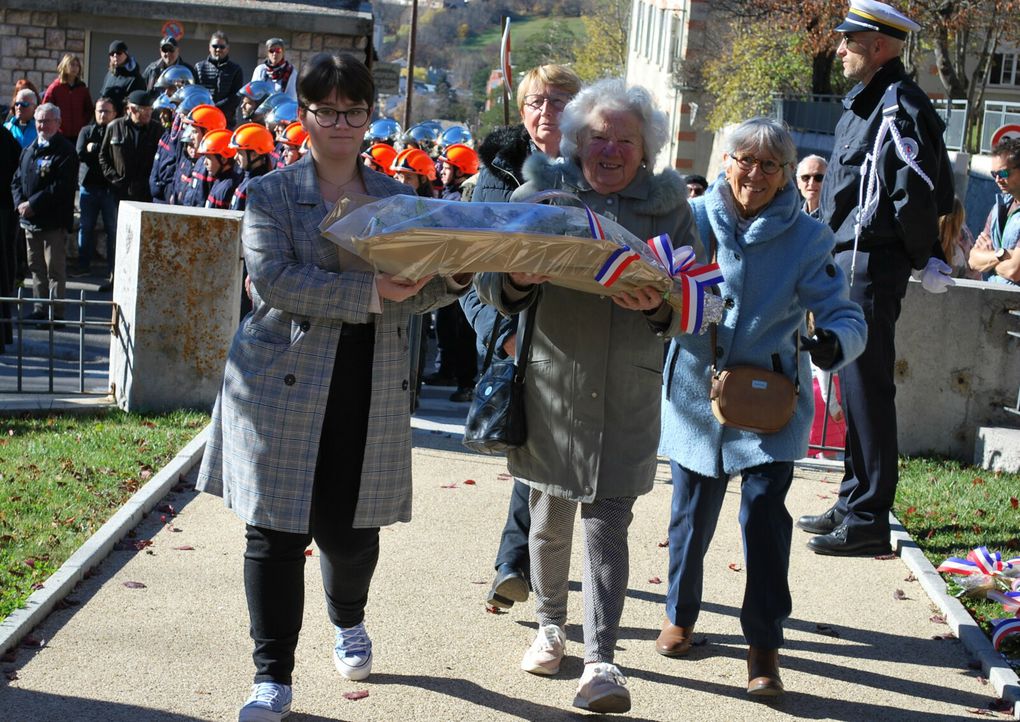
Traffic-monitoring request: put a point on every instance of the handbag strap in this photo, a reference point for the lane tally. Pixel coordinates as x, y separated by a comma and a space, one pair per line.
777, 366
522, 357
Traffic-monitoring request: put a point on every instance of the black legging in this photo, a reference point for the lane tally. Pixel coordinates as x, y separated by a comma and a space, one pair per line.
274, 560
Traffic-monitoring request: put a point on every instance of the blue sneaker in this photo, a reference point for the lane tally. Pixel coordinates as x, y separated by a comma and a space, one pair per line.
268, 702
352, 653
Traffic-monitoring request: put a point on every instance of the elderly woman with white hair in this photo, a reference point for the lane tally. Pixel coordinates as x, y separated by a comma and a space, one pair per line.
594, 373
777, 263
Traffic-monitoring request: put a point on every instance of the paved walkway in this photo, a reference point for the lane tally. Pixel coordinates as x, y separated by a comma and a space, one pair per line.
178, 649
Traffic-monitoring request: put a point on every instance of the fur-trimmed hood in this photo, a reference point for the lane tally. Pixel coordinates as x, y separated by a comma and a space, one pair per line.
652, 194
510, 142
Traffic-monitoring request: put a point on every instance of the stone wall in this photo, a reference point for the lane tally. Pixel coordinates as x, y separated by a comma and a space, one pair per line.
31, 45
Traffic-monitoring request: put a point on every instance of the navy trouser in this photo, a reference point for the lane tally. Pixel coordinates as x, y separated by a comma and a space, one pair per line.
274, 561
455, 339
513, 545
766, 526
96, 200
869, 392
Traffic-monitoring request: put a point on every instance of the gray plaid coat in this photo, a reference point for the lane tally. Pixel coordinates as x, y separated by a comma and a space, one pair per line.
264, 438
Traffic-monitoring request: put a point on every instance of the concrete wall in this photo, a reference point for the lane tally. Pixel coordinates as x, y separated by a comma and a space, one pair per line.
178, 285
956, 368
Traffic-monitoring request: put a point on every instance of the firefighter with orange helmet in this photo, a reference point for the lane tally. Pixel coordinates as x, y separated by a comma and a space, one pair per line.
459, 162
413, 167
221, 166
379, 157
195, 185
294, 138
253, 144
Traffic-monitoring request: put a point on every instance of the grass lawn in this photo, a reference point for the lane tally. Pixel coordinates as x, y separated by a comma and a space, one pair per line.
523, 30
949, 509
63, 476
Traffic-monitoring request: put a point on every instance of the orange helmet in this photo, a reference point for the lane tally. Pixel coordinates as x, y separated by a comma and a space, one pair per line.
414, 160
461, 157
206, 116
382, 155
217, 142
295, 134
252, 136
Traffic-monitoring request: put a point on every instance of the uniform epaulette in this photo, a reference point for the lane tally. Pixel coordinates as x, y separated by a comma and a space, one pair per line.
891, 99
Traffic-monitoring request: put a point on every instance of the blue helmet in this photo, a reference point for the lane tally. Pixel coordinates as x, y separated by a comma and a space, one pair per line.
174, 77
383, 130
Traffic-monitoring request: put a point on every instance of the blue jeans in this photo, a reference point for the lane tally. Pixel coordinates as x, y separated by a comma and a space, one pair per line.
767, 528
93, 201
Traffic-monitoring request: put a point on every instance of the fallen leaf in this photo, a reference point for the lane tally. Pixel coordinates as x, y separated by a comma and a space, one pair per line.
981, 712
493, 610
504, 476
823, 496
134, 585
308, 552
910, 578
448, 486
37, 586
184, 548
145, 474
655, 580
1014, 502
910, 510
900, 594
886, 557
664, 543
977, 481
980, 513
982, 680
354, 696
149, 424
479, 581
943, 637
937, 619
29, 562
469, 482
734, 567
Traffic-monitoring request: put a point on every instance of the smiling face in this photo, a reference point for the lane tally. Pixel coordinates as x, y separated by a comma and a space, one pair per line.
753, 189
611, 149
339, 143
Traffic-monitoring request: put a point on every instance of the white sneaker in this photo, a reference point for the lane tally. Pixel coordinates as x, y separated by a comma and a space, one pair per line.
544, 655
602, 689
352, 652
268, 702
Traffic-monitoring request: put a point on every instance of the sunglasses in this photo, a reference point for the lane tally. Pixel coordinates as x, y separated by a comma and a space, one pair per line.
22, 104
117, 52
1002, 174
218, 47
817, 177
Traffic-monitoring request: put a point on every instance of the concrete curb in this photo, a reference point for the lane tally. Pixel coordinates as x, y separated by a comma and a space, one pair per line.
994, 667
98, 546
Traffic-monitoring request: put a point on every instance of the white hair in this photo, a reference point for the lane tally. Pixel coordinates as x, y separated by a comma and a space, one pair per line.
818, 158
763, 134
28, 91
48, 108
613, 94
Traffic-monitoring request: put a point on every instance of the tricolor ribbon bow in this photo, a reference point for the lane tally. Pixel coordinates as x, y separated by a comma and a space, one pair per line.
693, 278
1004, 628
979, 561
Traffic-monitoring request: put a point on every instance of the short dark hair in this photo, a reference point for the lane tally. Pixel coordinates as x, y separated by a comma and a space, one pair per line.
219, 35
342, 72
1008, 150
699, 179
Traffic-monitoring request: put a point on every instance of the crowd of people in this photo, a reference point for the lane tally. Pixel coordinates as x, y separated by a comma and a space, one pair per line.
310, 437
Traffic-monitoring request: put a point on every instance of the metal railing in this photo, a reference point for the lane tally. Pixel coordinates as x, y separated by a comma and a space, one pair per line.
22, 325
1015, 408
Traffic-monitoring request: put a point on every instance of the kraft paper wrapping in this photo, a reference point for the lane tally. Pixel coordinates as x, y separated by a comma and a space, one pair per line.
413, 237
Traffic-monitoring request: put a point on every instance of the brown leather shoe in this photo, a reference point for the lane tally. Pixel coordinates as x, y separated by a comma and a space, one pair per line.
763, 673
674, 641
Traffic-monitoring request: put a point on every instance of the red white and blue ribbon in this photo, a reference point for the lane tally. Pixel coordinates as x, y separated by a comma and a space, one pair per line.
978, 561
618, 260
1002, 629
1010, 601
693, 277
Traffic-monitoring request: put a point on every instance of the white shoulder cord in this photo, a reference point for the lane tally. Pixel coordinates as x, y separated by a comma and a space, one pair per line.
868, 197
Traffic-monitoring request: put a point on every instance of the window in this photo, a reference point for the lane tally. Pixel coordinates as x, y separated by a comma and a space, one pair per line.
1004, 70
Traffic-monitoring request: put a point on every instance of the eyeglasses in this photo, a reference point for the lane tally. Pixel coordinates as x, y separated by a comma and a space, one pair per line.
535, 102
816, 177
768, 166
218, 47
330, 117
1002, 174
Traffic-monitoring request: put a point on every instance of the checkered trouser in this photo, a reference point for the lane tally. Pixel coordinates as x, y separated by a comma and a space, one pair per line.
606, 565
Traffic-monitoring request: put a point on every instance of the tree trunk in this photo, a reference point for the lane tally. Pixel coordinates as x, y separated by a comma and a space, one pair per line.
821, 73
951, 81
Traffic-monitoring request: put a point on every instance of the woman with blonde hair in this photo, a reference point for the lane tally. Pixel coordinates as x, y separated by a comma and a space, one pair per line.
69, 93
956, 240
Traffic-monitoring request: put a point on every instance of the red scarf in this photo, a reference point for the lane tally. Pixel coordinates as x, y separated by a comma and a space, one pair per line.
279, 74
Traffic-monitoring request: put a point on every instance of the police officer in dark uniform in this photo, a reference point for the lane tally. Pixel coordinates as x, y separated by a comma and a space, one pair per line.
895, 230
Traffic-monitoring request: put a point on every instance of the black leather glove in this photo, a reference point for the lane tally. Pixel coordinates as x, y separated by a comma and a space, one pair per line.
823, 347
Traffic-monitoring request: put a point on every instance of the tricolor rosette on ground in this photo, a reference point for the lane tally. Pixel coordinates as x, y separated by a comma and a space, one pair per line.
414, 237
986, 572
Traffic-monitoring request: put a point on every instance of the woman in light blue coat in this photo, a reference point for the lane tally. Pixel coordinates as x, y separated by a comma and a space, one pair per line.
777, 264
